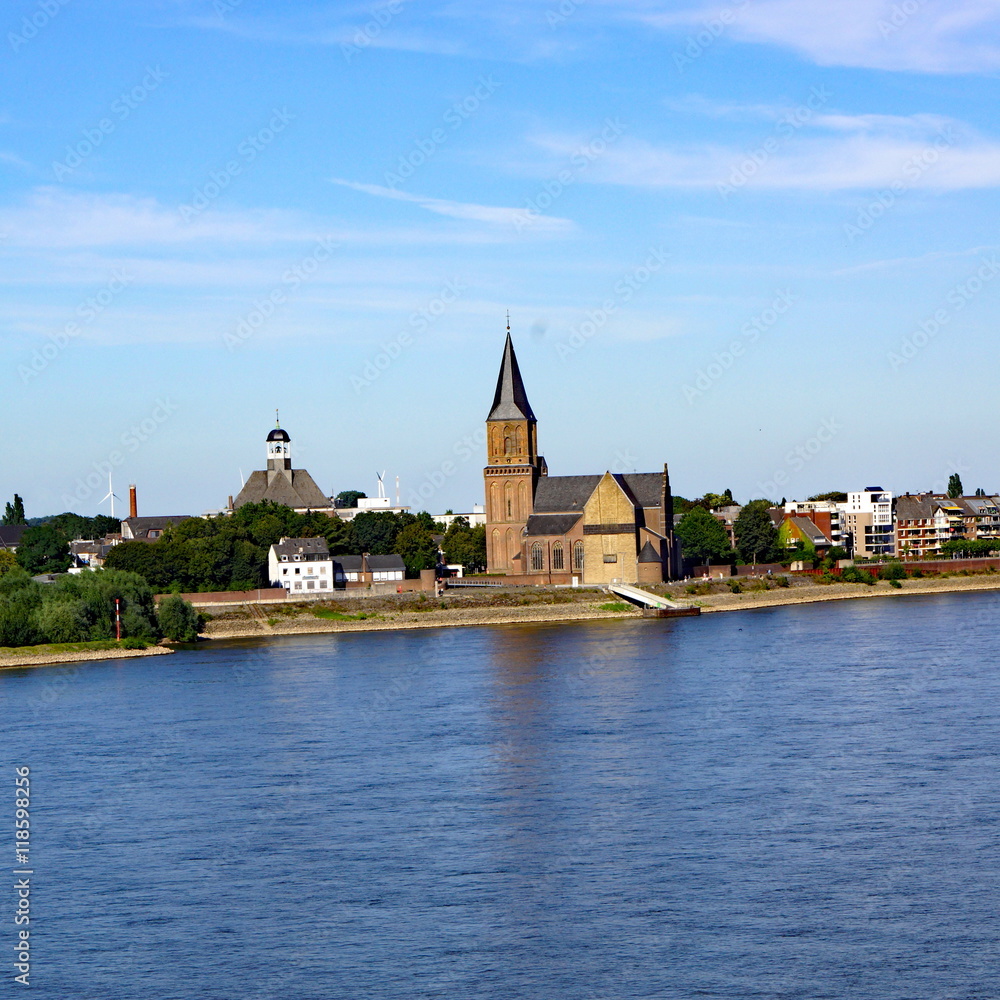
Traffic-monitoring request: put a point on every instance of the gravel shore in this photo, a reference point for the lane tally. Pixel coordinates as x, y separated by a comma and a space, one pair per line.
26, 659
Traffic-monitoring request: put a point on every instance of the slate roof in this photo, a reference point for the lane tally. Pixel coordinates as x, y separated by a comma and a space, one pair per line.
301, 491
377, 564
510, 401
648, 554
811, 530
551, 524
558, 494
912, 508
278, 435
302, 547
10, 535
140, 527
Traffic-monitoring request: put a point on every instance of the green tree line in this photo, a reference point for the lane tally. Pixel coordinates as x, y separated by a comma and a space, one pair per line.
81, 608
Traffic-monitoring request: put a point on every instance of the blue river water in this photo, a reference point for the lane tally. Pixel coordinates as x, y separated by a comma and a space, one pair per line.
793, 803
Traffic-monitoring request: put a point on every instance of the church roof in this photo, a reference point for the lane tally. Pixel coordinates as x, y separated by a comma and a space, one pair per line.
648, 554
551, 524
558, 494
301, 491
646, 487
510, 401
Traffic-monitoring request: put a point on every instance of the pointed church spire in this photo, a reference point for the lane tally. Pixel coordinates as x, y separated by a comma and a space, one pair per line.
510, 402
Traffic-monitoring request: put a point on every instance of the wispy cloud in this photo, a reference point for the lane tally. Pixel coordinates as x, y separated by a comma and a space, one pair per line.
833, 152
490, 214
930, 36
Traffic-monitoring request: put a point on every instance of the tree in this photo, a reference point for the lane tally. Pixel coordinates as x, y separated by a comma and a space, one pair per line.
178, 619
14, 512
756, 535
980, 492
348, 498
417, 547
834, 497
44, 549
954, 485
703, 537
375, 532
8, 561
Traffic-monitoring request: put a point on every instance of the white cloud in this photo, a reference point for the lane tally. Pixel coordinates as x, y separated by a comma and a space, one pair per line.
490, 214
829, 153
931, 36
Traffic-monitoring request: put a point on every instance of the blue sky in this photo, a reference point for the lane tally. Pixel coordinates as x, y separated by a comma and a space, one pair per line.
756, 240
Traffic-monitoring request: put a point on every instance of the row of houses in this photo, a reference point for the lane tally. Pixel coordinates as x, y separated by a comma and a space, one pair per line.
873, 523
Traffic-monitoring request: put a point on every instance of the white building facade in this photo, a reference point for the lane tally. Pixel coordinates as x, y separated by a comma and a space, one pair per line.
303, 566
868, 523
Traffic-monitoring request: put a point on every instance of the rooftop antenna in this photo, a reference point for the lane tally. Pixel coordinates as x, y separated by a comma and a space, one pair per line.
397, 491
110, 495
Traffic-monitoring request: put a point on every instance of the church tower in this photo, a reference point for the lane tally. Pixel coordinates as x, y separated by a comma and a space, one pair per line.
513, 467
279, 453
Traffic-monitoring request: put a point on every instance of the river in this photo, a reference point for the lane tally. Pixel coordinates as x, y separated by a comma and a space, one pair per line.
799, 802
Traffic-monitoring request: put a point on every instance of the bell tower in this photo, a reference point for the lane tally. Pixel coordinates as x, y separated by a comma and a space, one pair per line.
279, 452
513, 466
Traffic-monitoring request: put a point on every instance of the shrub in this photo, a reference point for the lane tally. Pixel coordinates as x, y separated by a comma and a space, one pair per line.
895, 583
735, 586
178, 619
893, 571
133, 642
781, 581
63, 621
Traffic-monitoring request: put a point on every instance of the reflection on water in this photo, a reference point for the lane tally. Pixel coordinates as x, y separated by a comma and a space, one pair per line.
799, 802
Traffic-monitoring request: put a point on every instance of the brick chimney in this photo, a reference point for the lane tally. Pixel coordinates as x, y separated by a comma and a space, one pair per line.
133, 506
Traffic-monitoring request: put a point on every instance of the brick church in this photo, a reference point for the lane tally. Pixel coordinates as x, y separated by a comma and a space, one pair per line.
552, 529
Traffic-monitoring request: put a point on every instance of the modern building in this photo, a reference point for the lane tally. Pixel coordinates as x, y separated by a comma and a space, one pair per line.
868, 526
282, 484
560, 529
301, 565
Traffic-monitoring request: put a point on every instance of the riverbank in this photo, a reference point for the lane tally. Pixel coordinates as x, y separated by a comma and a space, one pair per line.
33, 657
383, 615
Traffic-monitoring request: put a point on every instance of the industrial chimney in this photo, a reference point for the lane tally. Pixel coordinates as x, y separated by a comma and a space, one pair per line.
133, 506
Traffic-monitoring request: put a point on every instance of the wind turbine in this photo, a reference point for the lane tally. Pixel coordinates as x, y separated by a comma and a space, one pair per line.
110, 495
381, 485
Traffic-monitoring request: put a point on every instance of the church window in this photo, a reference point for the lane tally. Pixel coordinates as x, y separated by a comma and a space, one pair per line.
578, 555
537, 559
518, 442
508, 508
557, 556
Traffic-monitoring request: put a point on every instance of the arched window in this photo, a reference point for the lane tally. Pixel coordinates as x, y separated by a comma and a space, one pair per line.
522, 499
578, 555
511, 546
508, 440
495, 514
518, 442
496, 439
496, 553
508, 499
557, 555
537, 559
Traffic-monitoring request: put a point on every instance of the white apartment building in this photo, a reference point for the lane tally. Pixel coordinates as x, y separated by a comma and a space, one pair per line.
868, 524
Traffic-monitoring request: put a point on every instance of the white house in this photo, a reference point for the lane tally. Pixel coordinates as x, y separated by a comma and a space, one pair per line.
301, 565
